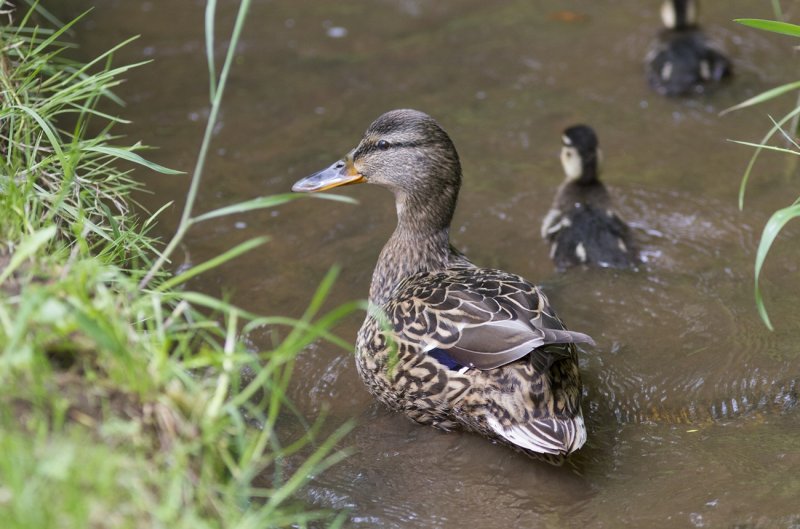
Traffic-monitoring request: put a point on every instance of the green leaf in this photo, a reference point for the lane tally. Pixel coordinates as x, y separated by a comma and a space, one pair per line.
211, 7
771, 230
763, 96
759, 148
768, 147
66, 167
132, 157
268, 202
155, 215
27, 248
210, 302
213, 263
784, 28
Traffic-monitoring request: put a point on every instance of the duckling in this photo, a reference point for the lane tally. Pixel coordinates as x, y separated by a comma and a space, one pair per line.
682, 60
445, 342
581, 226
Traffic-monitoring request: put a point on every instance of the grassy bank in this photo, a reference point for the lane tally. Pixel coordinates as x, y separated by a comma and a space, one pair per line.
121, 400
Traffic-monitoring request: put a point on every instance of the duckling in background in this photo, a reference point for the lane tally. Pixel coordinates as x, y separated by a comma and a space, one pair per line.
446, 342
581, 226
682, 60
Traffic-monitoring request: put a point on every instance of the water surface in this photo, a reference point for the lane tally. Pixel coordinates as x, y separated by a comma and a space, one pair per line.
690, 401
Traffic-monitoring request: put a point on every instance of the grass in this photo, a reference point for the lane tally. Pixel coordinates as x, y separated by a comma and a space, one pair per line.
788, 128
122, 399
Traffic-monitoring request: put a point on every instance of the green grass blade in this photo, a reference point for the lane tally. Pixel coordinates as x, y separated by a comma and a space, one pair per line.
316, 462
764, 140
771, 230
52, 137
209, 302
785, 135
27, 248
268, 202
776, 8
130, 156
158, 212
763, 96
211, 8
233, 253
773, 26
47, 15
767, 147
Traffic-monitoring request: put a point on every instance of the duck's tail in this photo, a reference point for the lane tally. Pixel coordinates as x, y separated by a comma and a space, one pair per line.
554, 436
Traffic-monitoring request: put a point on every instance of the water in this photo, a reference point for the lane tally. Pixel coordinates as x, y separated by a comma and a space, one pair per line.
691, 403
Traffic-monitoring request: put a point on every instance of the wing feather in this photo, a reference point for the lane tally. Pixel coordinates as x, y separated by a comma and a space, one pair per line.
482, 318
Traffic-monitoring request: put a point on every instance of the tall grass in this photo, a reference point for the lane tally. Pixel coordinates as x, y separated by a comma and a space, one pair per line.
788, 128
121, 397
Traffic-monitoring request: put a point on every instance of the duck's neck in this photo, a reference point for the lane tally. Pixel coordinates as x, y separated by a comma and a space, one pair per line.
589, 173
420, 242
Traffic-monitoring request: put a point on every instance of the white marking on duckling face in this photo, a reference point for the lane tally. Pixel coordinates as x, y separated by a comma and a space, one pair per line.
580, 252
668, 15
566, 140
666, 71
705, 70
572, 163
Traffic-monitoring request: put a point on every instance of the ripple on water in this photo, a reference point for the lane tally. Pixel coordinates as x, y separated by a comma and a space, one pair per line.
678, 340
411, 476
688, 344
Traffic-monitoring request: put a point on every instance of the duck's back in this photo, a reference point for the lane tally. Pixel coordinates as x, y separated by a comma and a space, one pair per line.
682, 61
584, 229
481, 349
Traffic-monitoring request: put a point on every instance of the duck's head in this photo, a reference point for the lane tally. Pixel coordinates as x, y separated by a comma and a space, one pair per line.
406, 151
580, 154
679, 14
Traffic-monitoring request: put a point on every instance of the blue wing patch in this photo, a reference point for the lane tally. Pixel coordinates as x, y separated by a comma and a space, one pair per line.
445, 359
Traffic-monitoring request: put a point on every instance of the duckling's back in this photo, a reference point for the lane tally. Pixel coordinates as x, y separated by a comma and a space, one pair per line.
684, 61
582, 229
591, 237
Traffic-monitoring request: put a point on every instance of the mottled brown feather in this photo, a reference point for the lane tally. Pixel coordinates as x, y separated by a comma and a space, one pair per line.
517, 381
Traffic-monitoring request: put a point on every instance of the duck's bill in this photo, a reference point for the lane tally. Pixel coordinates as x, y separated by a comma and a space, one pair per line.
341, 173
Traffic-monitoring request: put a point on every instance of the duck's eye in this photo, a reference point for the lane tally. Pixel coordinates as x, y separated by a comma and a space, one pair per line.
382, 145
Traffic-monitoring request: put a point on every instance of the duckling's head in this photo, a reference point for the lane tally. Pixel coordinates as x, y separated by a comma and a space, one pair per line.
580, 154
408, 152
679, 14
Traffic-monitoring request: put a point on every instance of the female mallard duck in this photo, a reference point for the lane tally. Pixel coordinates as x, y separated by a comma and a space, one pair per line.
445, 342
682, 60
581, 226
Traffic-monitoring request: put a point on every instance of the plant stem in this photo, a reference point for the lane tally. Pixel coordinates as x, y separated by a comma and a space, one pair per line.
776, 7
186, 218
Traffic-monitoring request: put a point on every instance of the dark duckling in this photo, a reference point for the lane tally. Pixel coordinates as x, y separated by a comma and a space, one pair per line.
581, 226
682, 60
446, 342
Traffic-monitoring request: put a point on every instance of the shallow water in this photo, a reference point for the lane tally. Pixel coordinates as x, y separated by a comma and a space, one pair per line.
691, 403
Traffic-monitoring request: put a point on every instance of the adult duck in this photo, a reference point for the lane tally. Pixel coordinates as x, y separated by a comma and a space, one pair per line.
446, 342
582, 227
682, 60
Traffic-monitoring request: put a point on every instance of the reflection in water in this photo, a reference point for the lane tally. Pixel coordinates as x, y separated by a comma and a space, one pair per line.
690, 402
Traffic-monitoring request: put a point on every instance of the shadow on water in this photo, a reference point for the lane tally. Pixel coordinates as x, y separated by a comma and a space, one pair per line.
691, 403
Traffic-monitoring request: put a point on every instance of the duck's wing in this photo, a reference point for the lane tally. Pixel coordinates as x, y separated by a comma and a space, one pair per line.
479, 317
715, 66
